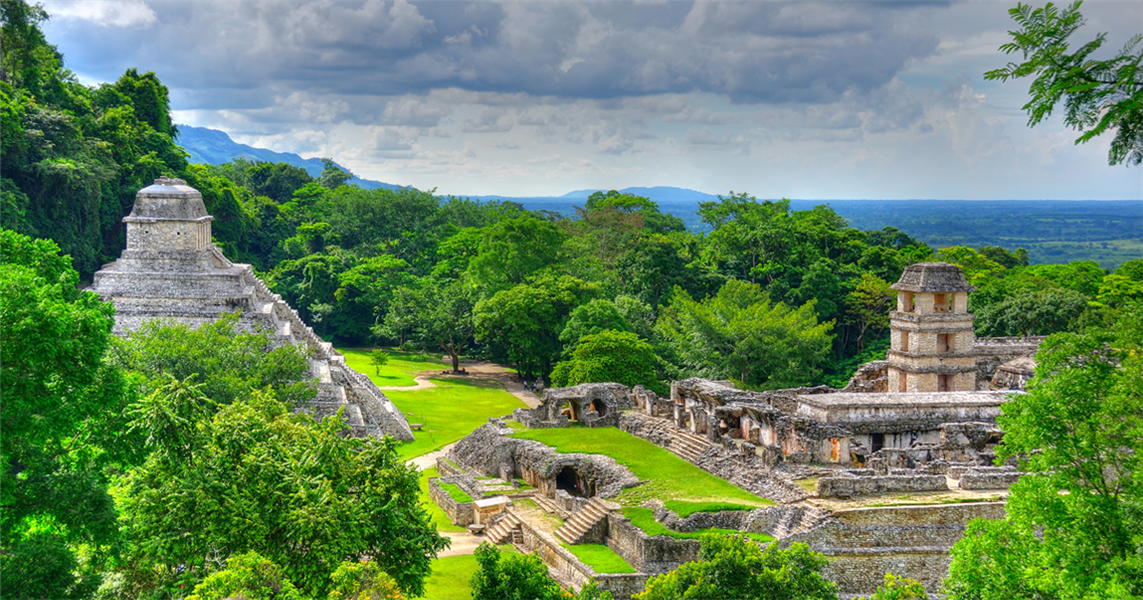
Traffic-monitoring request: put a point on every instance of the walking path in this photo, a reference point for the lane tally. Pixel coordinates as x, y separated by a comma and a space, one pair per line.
483, 371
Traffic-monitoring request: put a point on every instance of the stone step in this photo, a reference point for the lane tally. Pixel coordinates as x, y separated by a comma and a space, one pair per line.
583, 520
547, 504
504, 530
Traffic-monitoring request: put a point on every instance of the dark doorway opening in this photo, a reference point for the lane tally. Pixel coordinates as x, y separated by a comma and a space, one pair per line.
569, 411
877, 442
568, 481
600, 408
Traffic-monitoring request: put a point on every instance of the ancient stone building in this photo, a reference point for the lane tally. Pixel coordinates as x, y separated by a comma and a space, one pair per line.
171, 270
931, 331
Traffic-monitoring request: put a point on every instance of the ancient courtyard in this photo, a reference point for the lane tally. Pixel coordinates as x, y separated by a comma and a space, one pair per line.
614, 484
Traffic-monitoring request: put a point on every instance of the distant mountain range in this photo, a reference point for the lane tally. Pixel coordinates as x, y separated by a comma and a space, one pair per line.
1107, 231
214, 147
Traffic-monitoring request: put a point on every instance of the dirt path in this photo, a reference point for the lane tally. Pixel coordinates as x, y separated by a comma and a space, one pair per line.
479, 370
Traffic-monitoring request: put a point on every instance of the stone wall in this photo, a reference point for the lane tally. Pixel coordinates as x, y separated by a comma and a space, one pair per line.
989, 478
490, 452
593, 404
647, 554
570, 571
460, 513
909, 541
848, 487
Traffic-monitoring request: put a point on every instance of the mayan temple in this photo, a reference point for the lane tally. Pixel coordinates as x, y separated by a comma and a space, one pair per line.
171, 270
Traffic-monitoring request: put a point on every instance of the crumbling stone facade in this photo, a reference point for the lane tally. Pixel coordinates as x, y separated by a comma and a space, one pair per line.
171, 270
592, 404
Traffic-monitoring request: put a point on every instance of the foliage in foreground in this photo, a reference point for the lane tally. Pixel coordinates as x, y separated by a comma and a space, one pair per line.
254, 477
57, 393
521, 577
1074, 523
734, 568
1099, 96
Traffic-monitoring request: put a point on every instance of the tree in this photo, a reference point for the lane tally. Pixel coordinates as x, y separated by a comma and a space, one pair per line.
740, 334
257, 477
512, 251
522, 324
610, 356
593, 317
435, 315
734, 568
516, 577
899, 588
378, 358
363, 581
228, 363
868, 305
1099, 96
57, 394
247, 576
1028, 312
1074, 522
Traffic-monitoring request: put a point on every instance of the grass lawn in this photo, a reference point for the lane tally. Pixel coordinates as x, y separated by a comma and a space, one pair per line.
810, 484
450, 577
449, 411
601, 558
400, 369
438, 516
669, 477
644, 518
686, 509
455, 492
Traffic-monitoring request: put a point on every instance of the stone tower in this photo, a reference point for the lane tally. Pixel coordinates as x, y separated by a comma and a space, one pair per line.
931, 331
172, 270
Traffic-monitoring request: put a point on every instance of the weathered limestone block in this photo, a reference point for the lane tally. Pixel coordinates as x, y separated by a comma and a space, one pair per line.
848, 487
989, 478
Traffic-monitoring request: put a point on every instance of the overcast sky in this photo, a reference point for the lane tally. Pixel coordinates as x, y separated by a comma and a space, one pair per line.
814, 100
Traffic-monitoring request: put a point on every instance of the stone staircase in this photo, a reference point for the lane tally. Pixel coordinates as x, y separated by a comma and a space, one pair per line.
798, 519
505, 530
548, 505
584, 519
687, 445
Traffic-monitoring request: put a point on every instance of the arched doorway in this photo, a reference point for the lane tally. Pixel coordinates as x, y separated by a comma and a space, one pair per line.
568, 480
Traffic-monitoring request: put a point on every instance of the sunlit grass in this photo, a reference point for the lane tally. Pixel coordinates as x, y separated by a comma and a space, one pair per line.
644, 518
670, 477
451, 575
600, 557
399, 371
449, 411
685, 509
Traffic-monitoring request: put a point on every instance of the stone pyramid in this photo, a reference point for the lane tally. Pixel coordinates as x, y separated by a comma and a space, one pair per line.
171, 270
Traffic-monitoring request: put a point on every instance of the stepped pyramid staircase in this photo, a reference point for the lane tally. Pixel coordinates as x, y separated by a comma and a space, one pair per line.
584, 519
799, 519
549, 506
687, 445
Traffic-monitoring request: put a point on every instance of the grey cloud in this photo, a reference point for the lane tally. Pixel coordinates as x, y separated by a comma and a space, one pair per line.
752, 52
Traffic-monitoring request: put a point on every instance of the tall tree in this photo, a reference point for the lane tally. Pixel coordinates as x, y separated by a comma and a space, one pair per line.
1099, 96
1074, 522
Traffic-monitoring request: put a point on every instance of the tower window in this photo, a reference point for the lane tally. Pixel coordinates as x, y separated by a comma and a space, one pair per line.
944, 383
903, 382
907, 303
945, 342
904, 341
941, 303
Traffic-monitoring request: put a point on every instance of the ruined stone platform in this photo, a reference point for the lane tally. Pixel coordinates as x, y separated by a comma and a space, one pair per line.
171, 270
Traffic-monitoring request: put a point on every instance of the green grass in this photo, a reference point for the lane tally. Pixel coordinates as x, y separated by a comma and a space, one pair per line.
450, 576
601, 558
810, 484
449, 411
400, 369
669, 477
644, 518
455, 492
686, 509
438, 516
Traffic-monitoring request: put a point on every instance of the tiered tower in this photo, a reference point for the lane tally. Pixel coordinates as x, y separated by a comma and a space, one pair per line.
172, 270
932, 334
